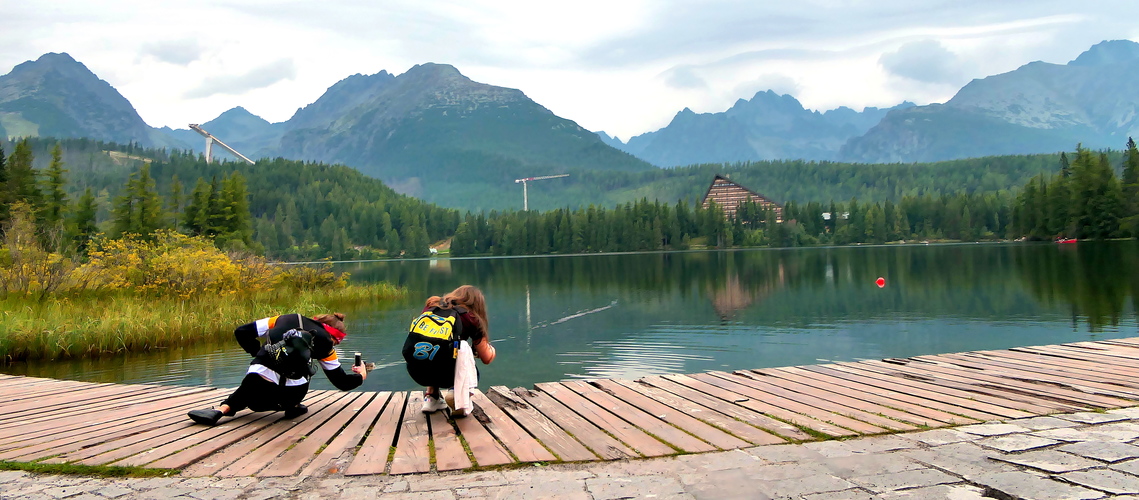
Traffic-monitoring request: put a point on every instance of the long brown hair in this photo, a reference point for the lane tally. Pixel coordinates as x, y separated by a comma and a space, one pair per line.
470, 298
335, 320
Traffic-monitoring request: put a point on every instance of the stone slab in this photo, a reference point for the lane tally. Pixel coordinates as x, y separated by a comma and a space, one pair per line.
941, 492
905, 480
943, 436
1111, 481
992, 429
1091, 417
1110, 451
1052, 461
1031, 486
1043, 423
1016, 442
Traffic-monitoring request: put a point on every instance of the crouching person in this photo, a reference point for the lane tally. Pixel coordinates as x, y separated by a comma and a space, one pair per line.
286, 350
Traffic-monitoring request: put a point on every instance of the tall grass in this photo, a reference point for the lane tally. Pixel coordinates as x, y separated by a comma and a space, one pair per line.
70, 327
139, 293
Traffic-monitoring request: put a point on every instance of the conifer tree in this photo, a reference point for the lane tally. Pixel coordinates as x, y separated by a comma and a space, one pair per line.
55, 202
22, 185
138, 210
83, 221
1130, 181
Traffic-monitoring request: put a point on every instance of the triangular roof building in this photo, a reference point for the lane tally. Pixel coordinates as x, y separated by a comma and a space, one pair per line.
728, 195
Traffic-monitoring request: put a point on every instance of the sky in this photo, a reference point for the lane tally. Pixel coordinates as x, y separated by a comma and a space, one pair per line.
623, 67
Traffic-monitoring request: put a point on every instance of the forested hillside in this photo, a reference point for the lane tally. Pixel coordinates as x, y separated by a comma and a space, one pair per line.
297, 210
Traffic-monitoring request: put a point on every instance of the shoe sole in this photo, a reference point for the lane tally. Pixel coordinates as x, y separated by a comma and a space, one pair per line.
203, 420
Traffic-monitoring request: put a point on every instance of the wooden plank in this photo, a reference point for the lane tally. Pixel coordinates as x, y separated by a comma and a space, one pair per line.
82, 424
74, 398
179, 453
627, 433
1108, 373
656, 425
997, 386
751, 435
910, 395
1079, 380
34, 388
676, 416
49, 414
790, 405
273, 440
863, 402
71, 440
751, 418
84, 416
298, 455
515, 429
411, 449
382, 434
598, 442
1106, 358
449, 451
486, 450
1017, 407
812, 399
1069, 397
755, 400
910, 412
965, 400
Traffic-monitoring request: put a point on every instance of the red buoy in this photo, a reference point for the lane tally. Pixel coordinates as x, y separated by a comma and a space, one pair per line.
881, 282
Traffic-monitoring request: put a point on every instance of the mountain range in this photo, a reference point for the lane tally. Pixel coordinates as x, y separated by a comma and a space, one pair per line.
433, 133
767, 127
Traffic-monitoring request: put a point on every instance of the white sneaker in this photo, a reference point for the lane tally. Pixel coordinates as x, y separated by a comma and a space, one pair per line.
433, 404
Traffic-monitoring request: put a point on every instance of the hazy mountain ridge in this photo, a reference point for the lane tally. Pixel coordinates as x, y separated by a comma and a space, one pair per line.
1037, 108
769, 126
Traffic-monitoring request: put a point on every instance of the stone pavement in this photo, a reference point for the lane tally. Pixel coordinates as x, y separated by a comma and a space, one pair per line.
1073, 456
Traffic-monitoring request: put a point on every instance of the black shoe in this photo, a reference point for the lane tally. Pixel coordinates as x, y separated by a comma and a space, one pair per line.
206, 417
296, 411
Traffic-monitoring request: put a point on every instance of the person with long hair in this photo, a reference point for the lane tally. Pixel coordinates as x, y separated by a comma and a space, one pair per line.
265, 387
436, 371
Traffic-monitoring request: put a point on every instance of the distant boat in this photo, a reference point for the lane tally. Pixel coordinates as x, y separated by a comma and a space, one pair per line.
1065, 240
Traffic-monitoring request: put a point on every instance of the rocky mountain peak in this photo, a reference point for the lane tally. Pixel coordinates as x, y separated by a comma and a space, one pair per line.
1108, 52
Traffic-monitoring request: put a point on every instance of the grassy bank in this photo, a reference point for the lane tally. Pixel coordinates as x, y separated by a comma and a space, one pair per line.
139, 293
75, 327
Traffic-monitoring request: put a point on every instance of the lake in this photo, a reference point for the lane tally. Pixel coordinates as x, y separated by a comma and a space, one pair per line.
631, 315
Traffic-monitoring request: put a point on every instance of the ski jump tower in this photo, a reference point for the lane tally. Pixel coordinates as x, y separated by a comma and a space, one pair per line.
210, 140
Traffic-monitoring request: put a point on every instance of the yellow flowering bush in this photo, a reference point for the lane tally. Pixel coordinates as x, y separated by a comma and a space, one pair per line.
174, 264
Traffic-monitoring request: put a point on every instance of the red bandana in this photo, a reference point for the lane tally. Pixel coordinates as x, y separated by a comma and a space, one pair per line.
336, 334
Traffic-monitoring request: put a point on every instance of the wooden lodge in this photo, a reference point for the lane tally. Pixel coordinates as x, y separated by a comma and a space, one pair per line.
728, 195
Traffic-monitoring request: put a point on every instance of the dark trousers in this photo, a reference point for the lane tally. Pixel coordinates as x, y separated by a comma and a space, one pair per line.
259, 394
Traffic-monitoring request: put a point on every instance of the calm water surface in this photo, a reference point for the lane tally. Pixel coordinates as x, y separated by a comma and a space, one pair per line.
555, 318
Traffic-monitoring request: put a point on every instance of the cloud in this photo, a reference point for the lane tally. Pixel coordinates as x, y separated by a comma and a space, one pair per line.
264, 76
924, 61
179, 52
684, 78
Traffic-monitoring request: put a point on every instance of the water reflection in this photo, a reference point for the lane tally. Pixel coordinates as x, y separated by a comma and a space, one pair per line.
553, 318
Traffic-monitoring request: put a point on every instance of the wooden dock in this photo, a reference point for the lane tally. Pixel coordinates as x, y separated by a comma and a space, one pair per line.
356, 433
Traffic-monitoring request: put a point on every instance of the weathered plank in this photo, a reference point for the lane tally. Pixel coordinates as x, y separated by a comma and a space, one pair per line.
515, 436
449, 451
600, 443
629, 434
373, 454
411, 451
751, 417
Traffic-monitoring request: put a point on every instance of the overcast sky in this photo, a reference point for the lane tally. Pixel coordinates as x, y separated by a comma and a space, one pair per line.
625, 67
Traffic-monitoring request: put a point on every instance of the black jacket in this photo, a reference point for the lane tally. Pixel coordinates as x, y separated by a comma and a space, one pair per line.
252, 337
